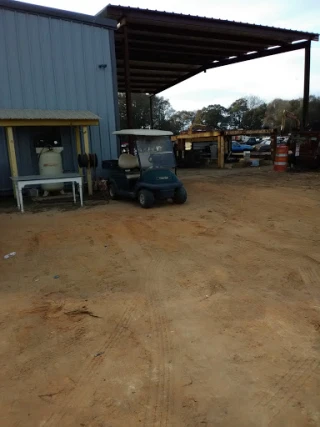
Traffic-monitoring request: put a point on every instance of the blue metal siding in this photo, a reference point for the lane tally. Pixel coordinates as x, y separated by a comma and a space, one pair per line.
69, 157
48, 63
25, 152
28, 90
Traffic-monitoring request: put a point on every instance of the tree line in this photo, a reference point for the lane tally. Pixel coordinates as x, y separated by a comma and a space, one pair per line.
244, 113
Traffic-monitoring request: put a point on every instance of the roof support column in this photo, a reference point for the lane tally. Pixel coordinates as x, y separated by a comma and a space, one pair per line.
306, 86
86, 144
151, 111
12, 156
78, 145
221, 151
127, 77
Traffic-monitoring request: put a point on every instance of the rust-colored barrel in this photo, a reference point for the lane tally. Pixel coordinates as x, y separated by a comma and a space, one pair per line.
281, 159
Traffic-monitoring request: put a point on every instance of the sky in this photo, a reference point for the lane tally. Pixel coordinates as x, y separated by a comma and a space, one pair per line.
279, 76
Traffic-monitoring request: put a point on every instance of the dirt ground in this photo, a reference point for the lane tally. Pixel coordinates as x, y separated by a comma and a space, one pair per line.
206, 314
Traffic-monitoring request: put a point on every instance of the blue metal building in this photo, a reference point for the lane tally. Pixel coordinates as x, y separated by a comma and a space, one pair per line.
56, 60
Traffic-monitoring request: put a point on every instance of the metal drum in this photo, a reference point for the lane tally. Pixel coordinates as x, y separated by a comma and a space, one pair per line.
281, 159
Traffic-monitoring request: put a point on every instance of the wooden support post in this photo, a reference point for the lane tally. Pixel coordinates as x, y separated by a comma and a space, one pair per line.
306, 87
12, 155
221, 150
78, 145
273, 145
85, 131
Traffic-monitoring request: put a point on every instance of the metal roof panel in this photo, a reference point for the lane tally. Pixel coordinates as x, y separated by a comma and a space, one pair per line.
160, 42
28, 114
117, 11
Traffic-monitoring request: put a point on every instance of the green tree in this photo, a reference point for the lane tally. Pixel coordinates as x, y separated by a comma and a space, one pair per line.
162, 111
198, 119
254, 118
215, 116
274, 113
140, 111
237, 110
314, 112
181, 120
254, 101
244, 113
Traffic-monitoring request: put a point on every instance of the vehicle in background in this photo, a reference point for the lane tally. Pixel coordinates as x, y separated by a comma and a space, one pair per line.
240, 148
249, 140
263, 146
282, 140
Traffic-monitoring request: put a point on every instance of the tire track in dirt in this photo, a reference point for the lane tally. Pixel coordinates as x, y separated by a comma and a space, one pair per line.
92, 366
272, 245
158, 409
164, 390
161, 396
287, 386
311, 279
300, 371
298, 384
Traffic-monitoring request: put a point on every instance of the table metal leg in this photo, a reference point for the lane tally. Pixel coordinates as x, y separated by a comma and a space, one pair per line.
20, 197
80, 193
17, 195
74, 192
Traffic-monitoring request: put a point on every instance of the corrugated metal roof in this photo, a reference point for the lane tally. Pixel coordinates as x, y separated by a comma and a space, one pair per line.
27, 114
106, 11
167, 48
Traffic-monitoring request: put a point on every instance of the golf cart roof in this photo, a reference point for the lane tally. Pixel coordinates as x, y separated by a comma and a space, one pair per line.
143, 132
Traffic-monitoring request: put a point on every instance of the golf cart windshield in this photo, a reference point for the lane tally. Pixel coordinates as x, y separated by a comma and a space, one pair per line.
155, 152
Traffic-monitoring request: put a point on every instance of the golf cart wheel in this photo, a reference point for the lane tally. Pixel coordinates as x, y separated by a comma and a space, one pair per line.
112, 191
180, 196
146, 199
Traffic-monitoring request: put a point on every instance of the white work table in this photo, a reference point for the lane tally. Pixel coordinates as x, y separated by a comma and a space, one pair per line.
20, 182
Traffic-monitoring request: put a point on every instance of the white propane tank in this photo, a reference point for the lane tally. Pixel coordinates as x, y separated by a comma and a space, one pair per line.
50, 164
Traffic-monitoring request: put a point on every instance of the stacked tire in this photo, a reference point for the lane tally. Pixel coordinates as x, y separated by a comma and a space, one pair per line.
88, 160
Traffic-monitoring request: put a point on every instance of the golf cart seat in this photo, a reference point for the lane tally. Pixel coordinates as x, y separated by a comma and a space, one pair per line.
128, 161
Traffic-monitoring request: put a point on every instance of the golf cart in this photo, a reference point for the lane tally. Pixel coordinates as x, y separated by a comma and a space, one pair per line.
149, 173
